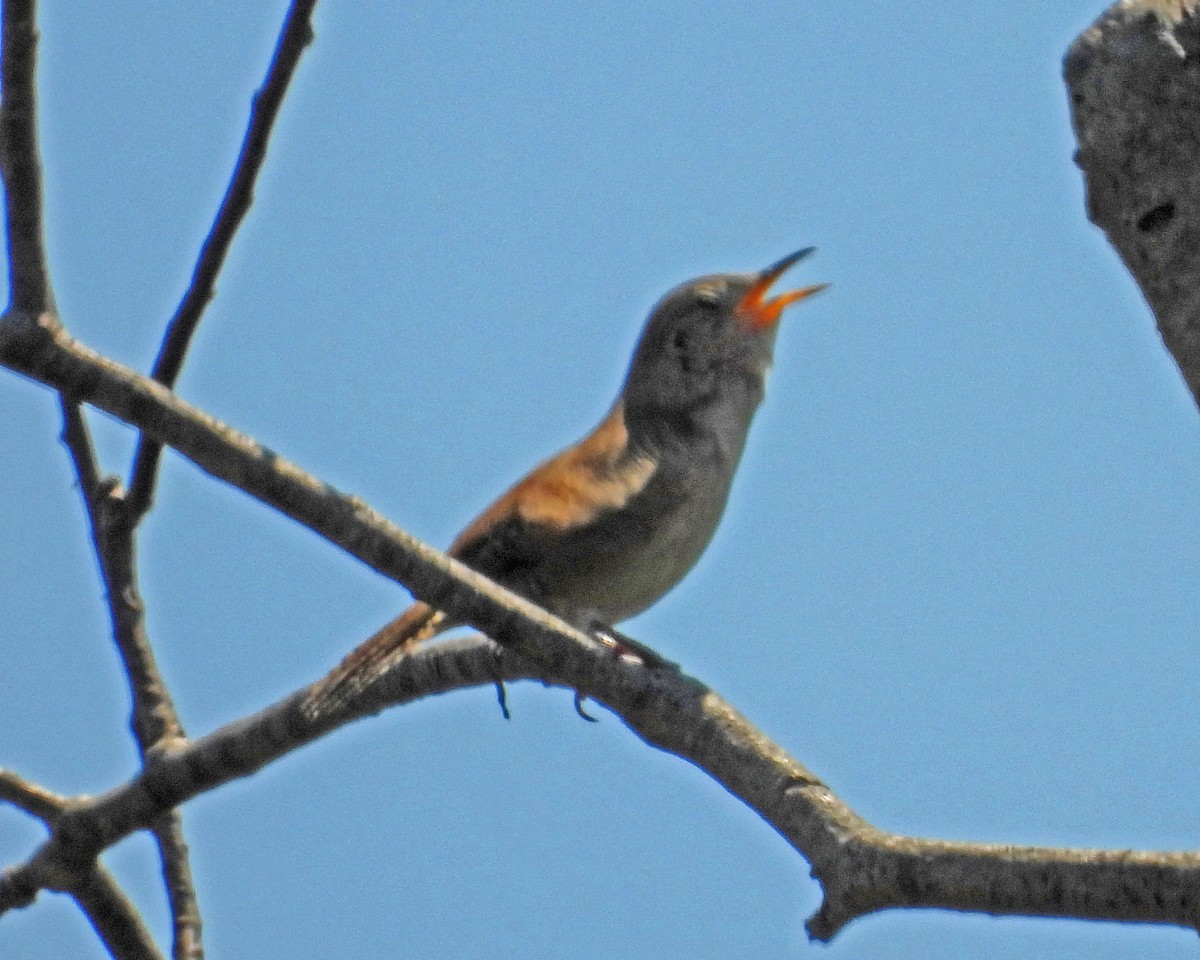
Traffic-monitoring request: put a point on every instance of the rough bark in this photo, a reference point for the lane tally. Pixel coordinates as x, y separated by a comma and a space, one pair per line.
1133, 79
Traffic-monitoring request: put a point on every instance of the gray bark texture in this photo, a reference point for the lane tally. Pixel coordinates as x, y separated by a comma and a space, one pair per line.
1133, 79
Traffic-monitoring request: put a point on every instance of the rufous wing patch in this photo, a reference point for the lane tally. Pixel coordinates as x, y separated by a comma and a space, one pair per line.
574, 487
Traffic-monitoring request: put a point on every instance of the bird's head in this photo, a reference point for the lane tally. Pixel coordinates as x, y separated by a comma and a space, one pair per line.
709, 340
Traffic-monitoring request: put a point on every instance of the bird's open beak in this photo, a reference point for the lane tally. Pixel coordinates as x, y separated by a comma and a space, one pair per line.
761, 312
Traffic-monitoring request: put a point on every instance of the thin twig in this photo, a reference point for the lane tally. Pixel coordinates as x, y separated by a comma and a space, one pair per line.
33, 799
155, 721
20, 161
78, 440
294, 36
187, 926
112, 915
113, 518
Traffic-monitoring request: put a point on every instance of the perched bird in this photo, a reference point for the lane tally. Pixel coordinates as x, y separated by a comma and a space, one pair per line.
599, 532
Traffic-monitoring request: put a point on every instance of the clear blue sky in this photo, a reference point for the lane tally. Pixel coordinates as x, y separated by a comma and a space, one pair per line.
957, 576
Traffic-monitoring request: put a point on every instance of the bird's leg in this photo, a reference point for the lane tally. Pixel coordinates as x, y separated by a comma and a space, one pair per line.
501, 690
623, 645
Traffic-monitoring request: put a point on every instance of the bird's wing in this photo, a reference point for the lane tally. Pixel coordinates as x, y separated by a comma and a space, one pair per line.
567, 492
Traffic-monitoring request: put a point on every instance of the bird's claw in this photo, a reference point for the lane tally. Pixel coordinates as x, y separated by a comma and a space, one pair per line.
579, 698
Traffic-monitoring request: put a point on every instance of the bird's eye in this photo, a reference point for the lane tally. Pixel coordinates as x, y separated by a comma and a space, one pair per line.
679, 340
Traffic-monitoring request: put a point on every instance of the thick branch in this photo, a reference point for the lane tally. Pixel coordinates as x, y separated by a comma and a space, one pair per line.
863, 869
1135, 105
295, 35
114, 917
235, 750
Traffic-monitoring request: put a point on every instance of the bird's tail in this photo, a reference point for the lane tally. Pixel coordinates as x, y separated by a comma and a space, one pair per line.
371, 659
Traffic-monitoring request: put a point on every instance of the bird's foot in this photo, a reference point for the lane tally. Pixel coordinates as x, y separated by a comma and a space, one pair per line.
580, 697
622, 645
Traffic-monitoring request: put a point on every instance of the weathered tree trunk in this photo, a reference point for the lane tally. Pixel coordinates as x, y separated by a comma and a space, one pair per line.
1134, 83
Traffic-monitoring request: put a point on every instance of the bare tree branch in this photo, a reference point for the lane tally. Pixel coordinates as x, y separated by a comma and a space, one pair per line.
154, 720
33, 799
295, 35
153, 717
109, 911
115, 516
862, 868
114, 918
20, 161
111, 914
78, 441
186, 939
